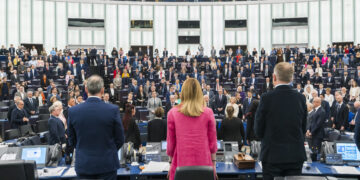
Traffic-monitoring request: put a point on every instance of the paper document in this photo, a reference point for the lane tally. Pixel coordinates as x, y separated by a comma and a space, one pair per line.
346, 170
8, 157
51, 171
156, 167
70, 172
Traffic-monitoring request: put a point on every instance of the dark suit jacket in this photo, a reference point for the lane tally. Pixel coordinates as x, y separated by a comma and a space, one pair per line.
341, 116
246, 105
232, 130
56, 131
156, 130
30, 107
357, 130
95, 127
317, 124
280, 123
17, 118
267, 89
220, 103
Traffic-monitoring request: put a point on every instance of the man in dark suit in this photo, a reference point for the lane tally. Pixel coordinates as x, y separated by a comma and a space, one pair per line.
220, 102
345, 80
316, 128
56, 126
340, 115
170, 104
5, 88
12, 50
19, 116
330, 81
280, 123
31, 104
267, 86
96, 131
247, 101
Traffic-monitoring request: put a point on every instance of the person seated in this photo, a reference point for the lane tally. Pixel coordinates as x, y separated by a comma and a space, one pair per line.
157, 127
232, 128
56, 126
131, 129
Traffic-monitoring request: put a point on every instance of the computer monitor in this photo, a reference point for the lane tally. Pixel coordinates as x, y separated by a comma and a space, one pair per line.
36, 153
163, 145
220, 145
348, 150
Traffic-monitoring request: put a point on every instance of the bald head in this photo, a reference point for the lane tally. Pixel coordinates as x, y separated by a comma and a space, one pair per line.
357, 104
283, 73
317, 102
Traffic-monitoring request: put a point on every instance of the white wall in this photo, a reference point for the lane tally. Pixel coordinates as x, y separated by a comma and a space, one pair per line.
45, 22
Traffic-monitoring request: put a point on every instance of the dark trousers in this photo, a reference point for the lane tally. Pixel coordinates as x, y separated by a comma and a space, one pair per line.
316, 144
276, 170
105, 176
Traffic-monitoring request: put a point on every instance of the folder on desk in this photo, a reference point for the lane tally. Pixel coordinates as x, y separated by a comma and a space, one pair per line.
156, 167
346, 170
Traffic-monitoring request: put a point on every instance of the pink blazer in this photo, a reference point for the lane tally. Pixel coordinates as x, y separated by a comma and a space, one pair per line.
190, 140
324, 60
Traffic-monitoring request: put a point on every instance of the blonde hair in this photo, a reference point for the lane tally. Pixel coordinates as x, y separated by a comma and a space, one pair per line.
284, 72
192, 100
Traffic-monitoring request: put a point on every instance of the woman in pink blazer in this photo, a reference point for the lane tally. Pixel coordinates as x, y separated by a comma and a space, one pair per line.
191, 132
324, 59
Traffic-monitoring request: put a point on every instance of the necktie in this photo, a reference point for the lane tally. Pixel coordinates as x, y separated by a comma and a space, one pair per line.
160, 74
249, 101
154, 102
31, 102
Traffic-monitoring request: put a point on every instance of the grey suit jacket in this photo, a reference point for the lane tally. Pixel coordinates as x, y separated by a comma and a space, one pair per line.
154, 103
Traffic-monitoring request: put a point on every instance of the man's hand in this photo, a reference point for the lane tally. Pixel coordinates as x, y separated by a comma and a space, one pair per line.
25, 119
333, 126
352, 122
342, 128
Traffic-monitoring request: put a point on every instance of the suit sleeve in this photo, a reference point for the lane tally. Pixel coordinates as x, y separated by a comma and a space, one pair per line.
53, 130
171, 137
345, 122
149, 132
304, 120
242, 132
212, 133
357, 131
137, 135
118, 129
249, 127
71, 131
260, 119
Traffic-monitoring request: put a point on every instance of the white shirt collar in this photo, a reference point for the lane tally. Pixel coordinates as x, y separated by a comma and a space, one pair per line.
317, 108
282, 85
94, 97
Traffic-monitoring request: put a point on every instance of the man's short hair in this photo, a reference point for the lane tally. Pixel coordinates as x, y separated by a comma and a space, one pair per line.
94, 84
284, 72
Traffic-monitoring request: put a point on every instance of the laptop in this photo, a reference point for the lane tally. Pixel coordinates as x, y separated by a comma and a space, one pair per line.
35, 153
349, 152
